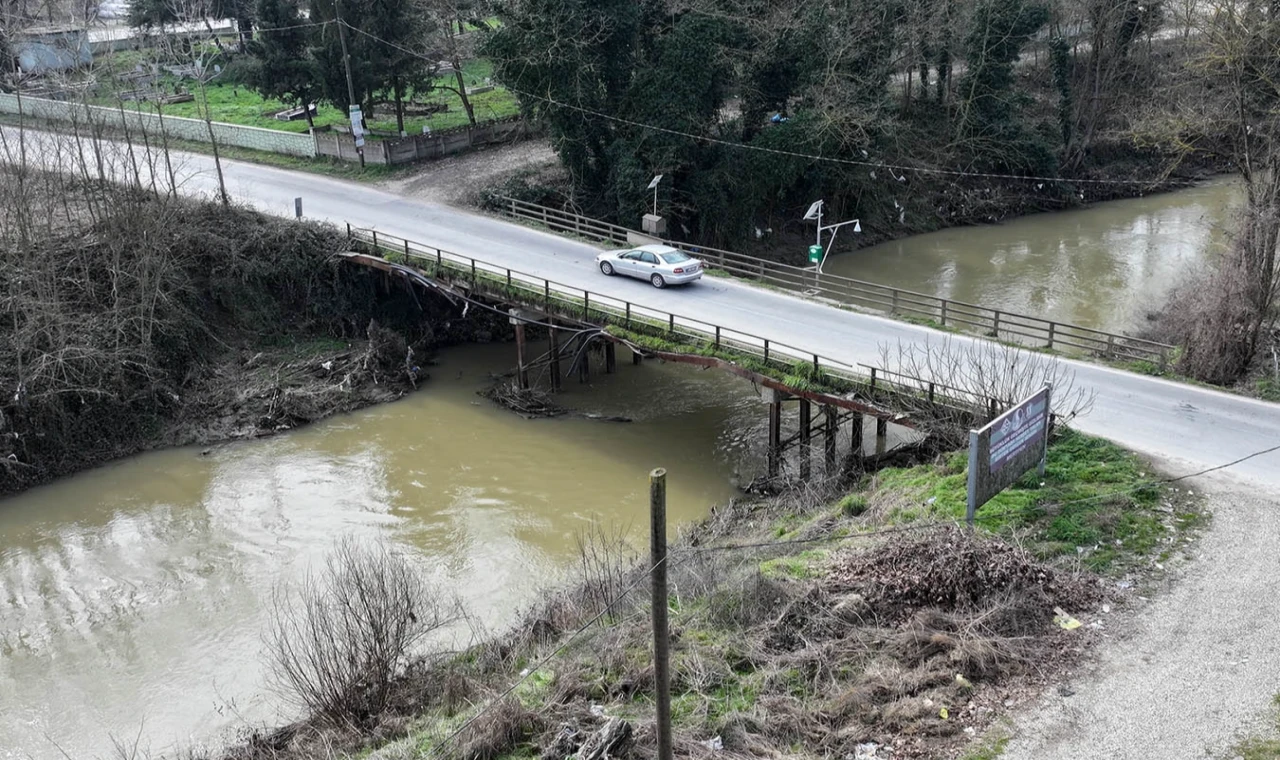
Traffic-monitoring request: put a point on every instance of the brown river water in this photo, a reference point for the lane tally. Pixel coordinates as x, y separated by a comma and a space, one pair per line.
133, 597
1105, 266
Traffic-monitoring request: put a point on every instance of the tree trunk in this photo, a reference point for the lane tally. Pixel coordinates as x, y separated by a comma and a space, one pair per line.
397, 89
462, 90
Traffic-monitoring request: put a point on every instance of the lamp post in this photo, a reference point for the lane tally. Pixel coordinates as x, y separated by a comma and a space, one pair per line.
817, 253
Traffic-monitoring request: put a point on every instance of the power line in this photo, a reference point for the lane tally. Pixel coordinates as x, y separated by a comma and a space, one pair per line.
981, 518
778, 151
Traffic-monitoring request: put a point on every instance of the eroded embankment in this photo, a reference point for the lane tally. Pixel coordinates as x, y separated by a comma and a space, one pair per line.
132, 320
851, 619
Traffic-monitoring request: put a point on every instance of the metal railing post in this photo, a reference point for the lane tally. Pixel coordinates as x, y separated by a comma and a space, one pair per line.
1052, 326
375, 240
766, 350
944, 312
717, 337
628, 318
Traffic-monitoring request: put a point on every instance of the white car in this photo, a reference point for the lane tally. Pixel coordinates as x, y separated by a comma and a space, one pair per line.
661, 265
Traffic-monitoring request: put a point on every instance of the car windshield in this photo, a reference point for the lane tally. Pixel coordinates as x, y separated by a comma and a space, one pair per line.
676, 257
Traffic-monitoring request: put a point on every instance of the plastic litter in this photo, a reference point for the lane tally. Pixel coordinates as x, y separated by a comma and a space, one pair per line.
714, 744
1064, 620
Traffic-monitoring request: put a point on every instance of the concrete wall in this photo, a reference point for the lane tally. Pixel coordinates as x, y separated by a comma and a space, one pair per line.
289, 143
420, 147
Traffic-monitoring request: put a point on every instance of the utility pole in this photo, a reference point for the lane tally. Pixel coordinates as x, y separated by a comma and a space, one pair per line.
353, 107
661, 633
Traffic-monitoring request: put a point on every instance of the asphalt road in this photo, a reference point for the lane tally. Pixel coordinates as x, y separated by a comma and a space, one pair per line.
1188, 427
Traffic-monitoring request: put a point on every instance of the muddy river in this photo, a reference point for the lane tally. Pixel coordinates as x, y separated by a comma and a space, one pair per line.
133, 597
1106, 266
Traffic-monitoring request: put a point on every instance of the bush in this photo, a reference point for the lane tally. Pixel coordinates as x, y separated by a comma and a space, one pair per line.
339, 641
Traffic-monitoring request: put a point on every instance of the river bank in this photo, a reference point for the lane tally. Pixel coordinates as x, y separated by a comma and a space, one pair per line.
848, 619
140, 321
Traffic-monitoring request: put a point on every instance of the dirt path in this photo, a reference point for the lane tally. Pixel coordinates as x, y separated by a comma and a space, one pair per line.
451, 180
1195, 668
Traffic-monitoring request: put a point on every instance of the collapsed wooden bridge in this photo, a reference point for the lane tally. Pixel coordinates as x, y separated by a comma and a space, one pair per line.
578, 322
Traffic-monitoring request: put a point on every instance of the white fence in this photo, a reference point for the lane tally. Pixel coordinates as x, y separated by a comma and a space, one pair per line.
256, 138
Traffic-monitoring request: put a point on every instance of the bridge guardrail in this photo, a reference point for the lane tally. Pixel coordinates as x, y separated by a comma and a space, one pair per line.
567, 299
994, 323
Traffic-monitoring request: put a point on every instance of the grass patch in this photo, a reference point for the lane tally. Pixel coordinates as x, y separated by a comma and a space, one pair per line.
1095, 499
238, 104
1263, 747
1267, 389
798, 567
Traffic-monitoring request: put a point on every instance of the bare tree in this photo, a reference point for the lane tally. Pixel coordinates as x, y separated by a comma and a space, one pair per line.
339, 640
976, 373
199, 64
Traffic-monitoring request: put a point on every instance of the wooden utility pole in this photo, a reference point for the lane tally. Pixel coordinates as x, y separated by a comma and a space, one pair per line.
806, 437
346, 64
661, 633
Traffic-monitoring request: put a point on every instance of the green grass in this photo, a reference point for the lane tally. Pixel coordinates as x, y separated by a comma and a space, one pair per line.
237, 104
1095, 499
1267, 389
1263, 747
990, 746
799, 567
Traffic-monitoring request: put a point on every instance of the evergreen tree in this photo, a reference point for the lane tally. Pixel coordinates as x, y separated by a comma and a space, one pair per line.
285, 69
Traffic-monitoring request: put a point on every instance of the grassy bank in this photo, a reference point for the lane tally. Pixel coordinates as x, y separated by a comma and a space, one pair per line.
815, 624
236, 103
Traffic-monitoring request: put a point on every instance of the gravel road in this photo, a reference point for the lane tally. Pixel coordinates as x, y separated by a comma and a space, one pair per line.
1195, 668
452, 180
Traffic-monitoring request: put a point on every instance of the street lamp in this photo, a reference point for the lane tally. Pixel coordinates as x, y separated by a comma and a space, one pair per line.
653, 224
817, 253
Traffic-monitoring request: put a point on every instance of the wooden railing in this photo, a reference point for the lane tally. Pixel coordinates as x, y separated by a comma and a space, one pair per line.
845, 291
871, 383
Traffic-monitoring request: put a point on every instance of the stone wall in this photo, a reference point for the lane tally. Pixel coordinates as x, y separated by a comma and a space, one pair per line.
256, 138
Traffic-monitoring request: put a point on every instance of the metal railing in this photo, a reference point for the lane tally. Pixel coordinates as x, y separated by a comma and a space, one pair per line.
873, 384
920, 307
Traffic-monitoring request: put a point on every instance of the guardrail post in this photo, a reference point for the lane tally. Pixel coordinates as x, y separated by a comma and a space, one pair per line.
628, 317
473, 270
894, 309
508, 279
717, 337
1164, 360
586, 304
944, 312
439, 261
931, 392
406, 250
873, 378
1052, 327
995, 330
816, 368
671, 323
766, 351
375, 240
1111, 345
348, 229
546, 293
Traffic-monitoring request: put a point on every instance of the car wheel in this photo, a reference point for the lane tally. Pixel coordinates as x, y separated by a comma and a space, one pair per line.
607, 268
657, 281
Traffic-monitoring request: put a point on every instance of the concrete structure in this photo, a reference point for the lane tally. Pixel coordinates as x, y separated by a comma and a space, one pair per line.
404, 150
42, 49
256, 138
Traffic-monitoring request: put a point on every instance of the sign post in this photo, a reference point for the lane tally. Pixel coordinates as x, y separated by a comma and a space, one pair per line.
1006, 448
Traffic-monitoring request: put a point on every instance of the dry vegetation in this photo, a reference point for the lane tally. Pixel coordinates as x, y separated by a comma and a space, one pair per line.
132, 318
814, 624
